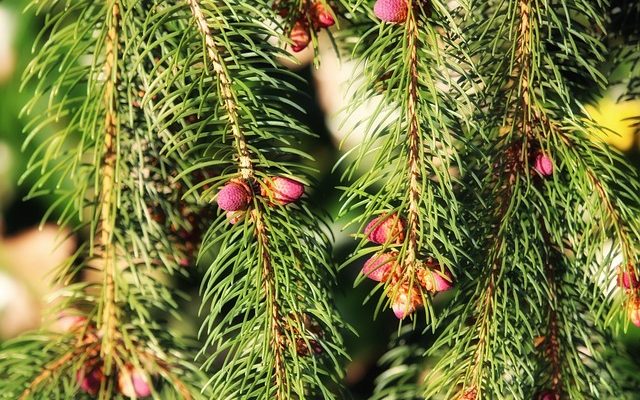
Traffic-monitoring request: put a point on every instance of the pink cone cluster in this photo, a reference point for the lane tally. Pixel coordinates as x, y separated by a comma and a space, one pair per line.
132, 382
406, 297
236, 196
394, 11
318, 16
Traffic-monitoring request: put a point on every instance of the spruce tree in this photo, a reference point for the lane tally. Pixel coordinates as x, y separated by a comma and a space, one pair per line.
479, 172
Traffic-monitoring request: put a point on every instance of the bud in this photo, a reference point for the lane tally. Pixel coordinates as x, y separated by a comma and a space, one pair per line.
548, 395
543, 165
406, 302
300, 36
234, 196
305, 350
385, 228
627, 279
634, 312
391, 10
322, 15
434, 280
69, 322
134, 382
282, 190
90, 377
379, 266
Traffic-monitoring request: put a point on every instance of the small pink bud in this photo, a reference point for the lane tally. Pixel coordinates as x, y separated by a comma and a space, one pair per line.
385, 228
68, 322
300, 36
283, 190
322, 15
134, 382
90, 377
391, 10
406, 302
543, 165
634, 312
379, 266
627, 279
234, 196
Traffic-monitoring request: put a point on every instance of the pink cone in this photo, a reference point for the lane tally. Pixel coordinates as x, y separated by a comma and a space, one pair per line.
90, 377
391, 10
134, 383
234, 196
69, 322
379, 266
406, 302
299, 36
386, 228
543, 165
322, 15
627, 279
433, 280
283, 190
548, 395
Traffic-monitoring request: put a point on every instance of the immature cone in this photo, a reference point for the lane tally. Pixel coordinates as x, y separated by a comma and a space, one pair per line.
543, 165
406, 302
386, 228
379, 266
69, 322
634, 312
548, 395
90, 377
434, 280
391, 10
283, 190
322, 16
134, 382
627, 279
234, 196
300, 36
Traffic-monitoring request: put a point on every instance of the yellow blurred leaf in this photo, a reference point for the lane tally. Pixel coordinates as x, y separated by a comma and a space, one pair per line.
616, 120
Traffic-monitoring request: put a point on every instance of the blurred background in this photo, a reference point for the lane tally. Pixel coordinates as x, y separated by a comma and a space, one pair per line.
29, 249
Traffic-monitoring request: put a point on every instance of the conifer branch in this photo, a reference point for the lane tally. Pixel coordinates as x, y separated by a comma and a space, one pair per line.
245, 166
108, 190
278, 339
415, 155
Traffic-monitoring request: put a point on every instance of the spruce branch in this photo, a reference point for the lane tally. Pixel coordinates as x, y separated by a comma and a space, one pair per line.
107, 149
418, 72
269, 330
108, 192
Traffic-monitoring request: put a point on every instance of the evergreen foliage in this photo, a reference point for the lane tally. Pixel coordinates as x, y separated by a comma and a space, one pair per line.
481, 172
